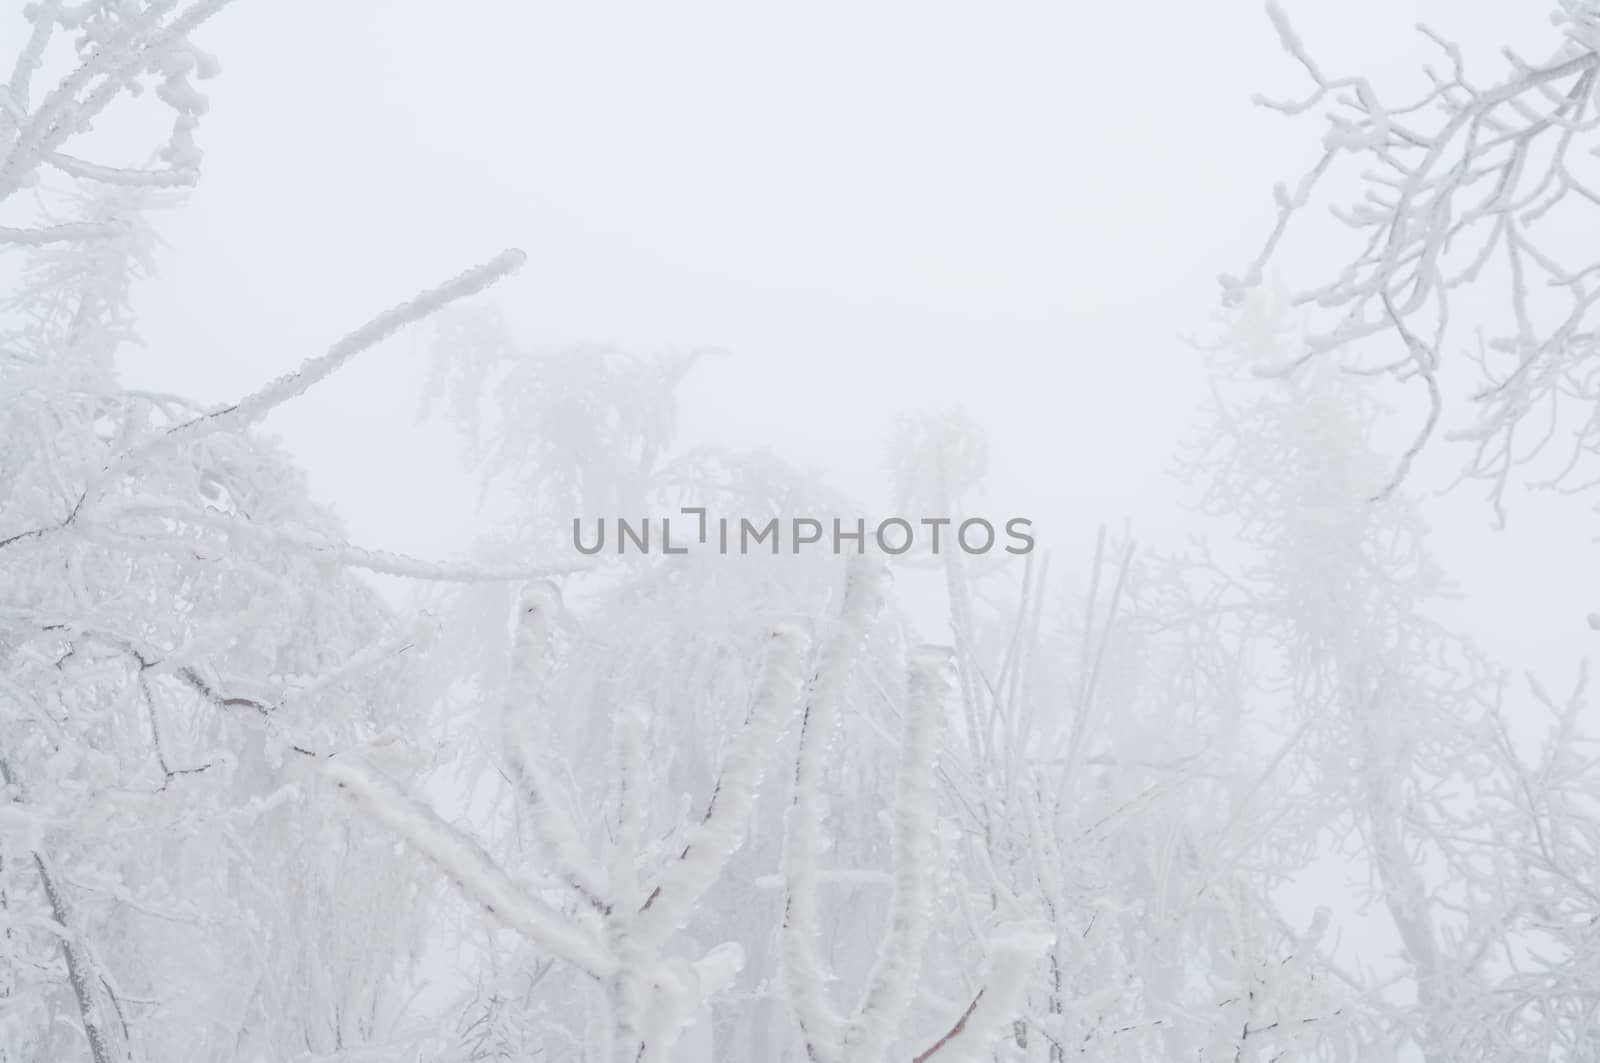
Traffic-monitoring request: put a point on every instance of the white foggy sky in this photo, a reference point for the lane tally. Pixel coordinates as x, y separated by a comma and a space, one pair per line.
1017, 208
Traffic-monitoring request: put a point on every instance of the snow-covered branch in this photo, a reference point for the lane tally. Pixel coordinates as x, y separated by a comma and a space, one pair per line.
253, 407
804, 974
467, 865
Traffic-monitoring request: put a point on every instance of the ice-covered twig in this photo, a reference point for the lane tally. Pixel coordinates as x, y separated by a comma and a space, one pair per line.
120, 175
66, 233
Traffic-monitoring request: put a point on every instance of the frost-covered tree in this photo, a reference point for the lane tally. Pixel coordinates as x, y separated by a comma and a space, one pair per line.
1473, 195
616, 883
181, 634
1409, 754
713, 807
641, 671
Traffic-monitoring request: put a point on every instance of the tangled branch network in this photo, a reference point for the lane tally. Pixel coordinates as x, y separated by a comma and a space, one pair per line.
1475, 200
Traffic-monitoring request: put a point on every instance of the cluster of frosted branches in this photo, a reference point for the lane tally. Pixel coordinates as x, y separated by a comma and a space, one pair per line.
598, 905
620, 932
120, 49
177, 617
173, 607
1480, 854
1474, 195
1014, 950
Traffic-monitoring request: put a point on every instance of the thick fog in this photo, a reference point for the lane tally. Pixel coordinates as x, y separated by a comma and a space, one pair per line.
323, 737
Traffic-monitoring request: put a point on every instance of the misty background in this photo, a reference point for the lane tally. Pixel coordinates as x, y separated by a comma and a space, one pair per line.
1020, 211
